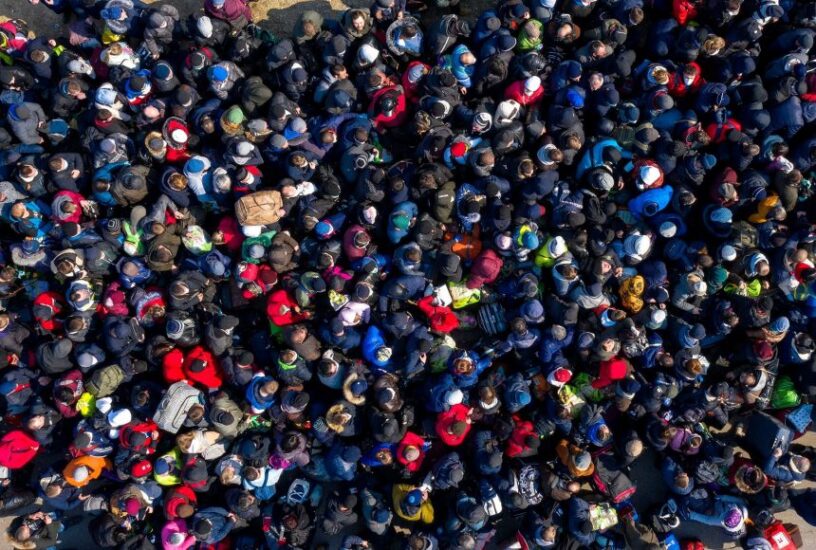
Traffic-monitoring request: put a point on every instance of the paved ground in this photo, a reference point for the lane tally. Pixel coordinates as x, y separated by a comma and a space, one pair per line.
280, 16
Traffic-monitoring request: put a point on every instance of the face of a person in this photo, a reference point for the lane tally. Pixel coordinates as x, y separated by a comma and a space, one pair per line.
358, 23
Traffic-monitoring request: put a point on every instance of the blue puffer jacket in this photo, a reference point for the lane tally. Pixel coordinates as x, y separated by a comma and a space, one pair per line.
453, 63
593, 157
253, 396
373, 341
651, 202
468, 380
438, 388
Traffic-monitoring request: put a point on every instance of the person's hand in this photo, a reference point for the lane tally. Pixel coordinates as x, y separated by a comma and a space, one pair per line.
75, 173
51, 41
232, 517
83, 498
778, 452
463, 90
47, 519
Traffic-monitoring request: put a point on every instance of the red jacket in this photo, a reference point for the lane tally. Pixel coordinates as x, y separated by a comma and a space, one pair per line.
281, 309
17, 449
52, 300
517, 445
177, 496
211, 376
515, 91
416, 441
684, 10
413, 89
148, 445
677, 86
398, 116
176, 154
457, 413
442, 318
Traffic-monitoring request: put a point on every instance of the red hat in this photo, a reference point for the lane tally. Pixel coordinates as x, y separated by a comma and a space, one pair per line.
458, 149
141, 469
611, 370
247, 272
561, 375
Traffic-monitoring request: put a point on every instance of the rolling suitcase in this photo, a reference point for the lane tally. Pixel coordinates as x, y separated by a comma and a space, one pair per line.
764, 433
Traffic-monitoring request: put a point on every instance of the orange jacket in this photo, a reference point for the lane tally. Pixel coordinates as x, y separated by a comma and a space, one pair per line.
95, 465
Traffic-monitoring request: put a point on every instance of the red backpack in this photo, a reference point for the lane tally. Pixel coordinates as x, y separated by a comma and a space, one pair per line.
17, 449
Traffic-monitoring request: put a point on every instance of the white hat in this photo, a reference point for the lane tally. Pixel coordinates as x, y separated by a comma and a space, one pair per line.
507, 110
728, 253
368, 53
503, 242
454, 397
700, 288
668, 229
244, 148
204, 26
80, 473
119, 418
179, 136
557, 247
251, 230
658, 316
642, 245
648, 175
104, 405
532, 84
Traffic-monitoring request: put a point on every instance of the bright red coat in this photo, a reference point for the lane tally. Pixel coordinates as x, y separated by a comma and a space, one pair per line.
417, 441
457, 413
211, 377
17, 449
684, 10
281, 309
178, 496
515, 91
52, 300
442, 318
517, 445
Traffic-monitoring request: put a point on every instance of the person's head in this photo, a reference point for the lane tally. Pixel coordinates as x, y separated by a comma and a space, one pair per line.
251, 473
467, 58
411, 453
53, 490
196, 413
269, 388
358, 20
23, 533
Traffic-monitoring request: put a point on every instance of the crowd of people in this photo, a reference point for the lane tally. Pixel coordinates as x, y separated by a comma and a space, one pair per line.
407, 279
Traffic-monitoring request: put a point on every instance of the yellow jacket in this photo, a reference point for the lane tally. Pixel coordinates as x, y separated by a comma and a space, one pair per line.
426, 511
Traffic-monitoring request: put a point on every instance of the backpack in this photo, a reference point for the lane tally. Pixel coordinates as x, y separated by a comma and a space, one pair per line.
17, 449
529, 482
259, 208
784, 394
492, 319
610, 480
744, 236
104, 381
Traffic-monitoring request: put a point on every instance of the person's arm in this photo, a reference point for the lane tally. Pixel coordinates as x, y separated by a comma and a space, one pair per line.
713, 521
